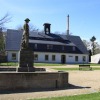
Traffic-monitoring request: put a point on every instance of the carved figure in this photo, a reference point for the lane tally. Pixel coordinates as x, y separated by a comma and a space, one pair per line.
25, 38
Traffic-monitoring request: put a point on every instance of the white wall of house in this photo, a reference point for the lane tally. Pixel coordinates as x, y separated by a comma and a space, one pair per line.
10, 56
69, 58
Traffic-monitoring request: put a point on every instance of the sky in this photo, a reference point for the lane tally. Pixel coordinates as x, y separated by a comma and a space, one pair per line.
84, 20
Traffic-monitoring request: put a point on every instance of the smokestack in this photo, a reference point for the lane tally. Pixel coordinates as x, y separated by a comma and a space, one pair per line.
68, 25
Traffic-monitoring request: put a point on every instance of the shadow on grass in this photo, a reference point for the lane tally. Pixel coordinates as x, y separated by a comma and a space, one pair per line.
67, 87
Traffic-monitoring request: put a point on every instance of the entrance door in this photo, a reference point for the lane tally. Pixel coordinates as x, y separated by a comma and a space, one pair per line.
63, 59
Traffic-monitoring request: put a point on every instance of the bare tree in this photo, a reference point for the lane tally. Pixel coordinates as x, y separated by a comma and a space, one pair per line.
31, 27
5, 19
87, 44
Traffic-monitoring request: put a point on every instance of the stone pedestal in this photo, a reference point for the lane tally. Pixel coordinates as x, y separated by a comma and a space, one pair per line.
26, 61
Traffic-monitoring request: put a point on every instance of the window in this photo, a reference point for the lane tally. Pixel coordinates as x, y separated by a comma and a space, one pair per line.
13, 56
53, 57
35, 46
49, 46
47, 31
84, 58
46, 57
76, 58
63, 48
35, 57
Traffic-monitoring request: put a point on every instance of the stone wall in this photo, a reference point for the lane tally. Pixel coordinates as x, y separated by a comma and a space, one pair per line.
36, 80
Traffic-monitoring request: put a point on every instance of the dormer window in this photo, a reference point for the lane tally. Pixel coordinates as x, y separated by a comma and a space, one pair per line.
47, 31
35, 46
73, 48
63, 48
49, 46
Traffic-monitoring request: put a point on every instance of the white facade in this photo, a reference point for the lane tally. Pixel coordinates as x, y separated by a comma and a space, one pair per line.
12, 56
69, 58
47, 57
95, 58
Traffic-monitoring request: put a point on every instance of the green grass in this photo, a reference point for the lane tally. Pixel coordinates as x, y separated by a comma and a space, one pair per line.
74, 69
35, 64
51, 64
65, 69
92, 96
91, 64
40, 64
48, 64
9, 64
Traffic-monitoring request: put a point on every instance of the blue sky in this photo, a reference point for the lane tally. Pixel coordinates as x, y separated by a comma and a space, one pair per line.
84, 15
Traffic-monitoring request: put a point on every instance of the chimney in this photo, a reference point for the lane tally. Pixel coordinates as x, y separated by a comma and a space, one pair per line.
68, 25
46, 28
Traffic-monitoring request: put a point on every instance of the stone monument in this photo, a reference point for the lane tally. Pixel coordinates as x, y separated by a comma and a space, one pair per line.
25, 54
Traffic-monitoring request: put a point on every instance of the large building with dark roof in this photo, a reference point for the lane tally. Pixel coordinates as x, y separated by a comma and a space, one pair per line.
48, 47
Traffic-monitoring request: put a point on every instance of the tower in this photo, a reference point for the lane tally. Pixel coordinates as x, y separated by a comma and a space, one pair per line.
68, 25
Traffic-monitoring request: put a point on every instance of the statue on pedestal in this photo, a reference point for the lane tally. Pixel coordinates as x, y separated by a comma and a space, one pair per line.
25, 38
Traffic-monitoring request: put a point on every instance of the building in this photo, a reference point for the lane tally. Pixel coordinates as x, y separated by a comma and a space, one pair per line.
95, 58
48, 47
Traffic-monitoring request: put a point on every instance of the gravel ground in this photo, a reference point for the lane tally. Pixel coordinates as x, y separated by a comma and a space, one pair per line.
81, 82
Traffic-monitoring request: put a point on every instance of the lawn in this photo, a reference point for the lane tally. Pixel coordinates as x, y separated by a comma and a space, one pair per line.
53, 64
35, 64
73, 69
9, 64
92, 96
41, 64
48, 64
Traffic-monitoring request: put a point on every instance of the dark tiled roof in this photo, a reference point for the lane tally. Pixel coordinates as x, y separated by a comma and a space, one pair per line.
13, 40
51, 42
78, 42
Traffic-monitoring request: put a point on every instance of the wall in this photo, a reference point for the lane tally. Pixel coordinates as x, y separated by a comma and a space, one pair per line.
36, 80
70, 58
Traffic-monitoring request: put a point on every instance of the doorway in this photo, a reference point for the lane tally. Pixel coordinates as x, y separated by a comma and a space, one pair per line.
63, 59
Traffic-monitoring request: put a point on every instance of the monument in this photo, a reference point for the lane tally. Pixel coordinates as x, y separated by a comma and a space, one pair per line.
25, 54
38, 78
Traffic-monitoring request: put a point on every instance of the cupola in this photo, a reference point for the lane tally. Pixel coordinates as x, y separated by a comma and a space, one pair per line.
46, 28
